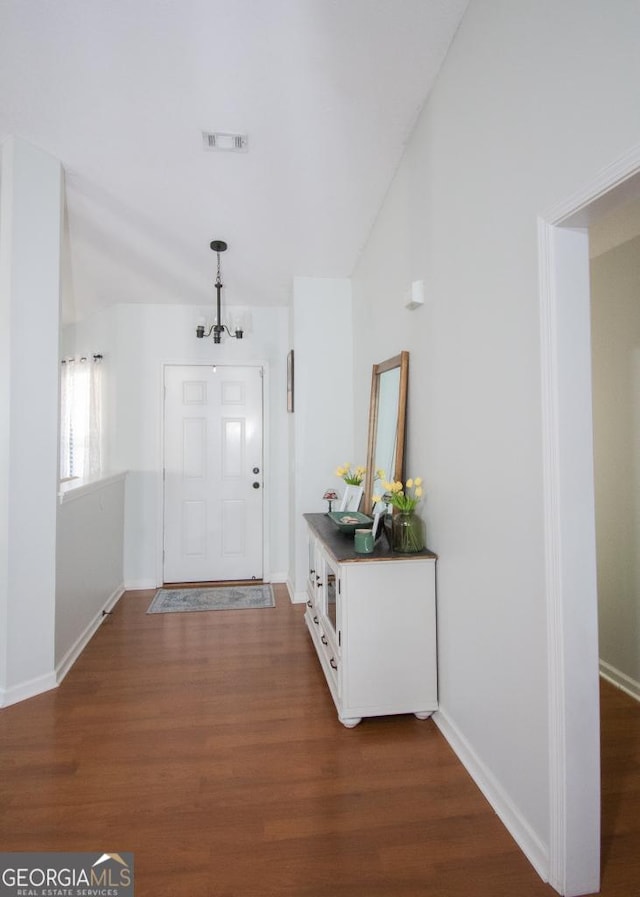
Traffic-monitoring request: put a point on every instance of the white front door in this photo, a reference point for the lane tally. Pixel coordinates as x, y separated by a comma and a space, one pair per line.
212, 473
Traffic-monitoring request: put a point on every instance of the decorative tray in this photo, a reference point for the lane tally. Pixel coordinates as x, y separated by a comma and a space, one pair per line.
349, 521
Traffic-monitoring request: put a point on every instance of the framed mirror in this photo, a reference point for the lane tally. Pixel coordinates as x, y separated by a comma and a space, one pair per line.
387, 416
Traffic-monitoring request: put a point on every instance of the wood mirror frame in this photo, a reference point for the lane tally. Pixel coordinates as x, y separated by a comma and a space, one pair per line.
395, 422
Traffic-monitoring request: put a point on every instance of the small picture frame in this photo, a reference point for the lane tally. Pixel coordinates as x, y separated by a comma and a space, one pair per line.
290, 375
379, 510
351, 498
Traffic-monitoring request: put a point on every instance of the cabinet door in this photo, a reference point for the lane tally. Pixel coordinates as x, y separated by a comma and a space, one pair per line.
389, 638
328, 595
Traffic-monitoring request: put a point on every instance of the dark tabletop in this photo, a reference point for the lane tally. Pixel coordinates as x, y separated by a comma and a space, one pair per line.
340, 545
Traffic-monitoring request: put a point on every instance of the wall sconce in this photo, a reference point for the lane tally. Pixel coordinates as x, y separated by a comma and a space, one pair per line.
218, 328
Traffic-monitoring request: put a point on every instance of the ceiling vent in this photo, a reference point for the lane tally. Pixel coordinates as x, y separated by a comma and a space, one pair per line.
225, 143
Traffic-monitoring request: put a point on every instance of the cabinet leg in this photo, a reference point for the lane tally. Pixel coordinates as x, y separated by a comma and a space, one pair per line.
351, 721
423, 714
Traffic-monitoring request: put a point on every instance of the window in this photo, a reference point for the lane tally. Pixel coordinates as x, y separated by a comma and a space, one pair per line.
81, 418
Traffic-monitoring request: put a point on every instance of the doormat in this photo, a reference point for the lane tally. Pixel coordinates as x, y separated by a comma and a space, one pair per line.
172, 601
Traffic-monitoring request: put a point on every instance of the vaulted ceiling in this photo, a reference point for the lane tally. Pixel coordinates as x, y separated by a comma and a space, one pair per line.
120, 91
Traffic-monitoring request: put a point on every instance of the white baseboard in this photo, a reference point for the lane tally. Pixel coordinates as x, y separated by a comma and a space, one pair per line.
138, 585
295, 597
28, 689
533, 848
83, 639
277, 577
620, 680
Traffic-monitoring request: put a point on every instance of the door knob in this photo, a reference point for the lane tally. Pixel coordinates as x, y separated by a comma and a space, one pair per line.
256, 485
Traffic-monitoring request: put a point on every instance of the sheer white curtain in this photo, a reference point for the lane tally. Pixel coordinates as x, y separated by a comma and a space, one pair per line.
81, 418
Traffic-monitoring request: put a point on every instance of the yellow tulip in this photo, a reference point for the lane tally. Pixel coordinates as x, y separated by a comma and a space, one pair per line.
418, 481
418, 491
409, 484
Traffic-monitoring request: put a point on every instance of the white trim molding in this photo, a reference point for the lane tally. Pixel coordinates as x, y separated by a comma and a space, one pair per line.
611, 187
570, 569
620, 680
533, 848
71, 490
553, 577
295, 597
28, 689
85, 637
141, 585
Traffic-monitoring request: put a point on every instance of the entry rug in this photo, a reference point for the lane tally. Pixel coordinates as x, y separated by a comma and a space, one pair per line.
172, 601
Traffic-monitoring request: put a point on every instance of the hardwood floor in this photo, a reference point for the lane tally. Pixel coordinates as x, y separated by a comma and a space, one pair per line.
208, 745
620, 753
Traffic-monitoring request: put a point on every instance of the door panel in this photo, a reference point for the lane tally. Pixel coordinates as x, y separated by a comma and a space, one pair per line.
194, 447
233, 448
194, 529
213, 440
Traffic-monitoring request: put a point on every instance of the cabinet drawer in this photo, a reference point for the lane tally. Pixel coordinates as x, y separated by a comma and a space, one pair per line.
328, 640
326, 651
331, 666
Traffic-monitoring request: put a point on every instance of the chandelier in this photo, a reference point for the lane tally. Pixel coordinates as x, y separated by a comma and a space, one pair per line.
218, 328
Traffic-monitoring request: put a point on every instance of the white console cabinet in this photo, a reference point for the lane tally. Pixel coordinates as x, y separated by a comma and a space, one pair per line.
372, 619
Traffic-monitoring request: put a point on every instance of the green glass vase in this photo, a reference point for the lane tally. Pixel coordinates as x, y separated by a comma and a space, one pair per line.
407, 532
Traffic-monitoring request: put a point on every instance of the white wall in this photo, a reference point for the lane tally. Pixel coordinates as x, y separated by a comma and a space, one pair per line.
88, 563
322, 422
30, 236
532, 100
136, 341
615, 305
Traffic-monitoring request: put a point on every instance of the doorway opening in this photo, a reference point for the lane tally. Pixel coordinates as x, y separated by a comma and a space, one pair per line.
614, 243
570, 543
615, 314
